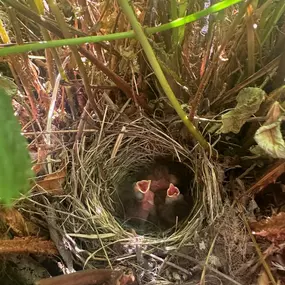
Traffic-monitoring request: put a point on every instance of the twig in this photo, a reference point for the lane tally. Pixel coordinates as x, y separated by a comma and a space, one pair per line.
203, 275
201, 265
27, 245
51, 112
170, 264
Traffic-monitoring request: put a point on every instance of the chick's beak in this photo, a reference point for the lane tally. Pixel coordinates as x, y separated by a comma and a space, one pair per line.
172, 193
141, 188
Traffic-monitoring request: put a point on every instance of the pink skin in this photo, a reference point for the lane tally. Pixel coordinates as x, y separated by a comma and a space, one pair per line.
146, 205
146, 197
172, 191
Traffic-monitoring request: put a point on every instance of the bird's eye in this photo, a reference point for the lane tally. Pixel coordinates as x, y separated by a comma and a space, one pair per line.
172, 191
143, 185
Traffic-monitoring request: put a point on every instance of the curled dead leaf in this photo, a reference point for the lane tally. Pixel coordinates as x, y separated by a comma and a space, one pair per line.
20, 226
269, 177
272, 228
269, 136
40, 157
53, 182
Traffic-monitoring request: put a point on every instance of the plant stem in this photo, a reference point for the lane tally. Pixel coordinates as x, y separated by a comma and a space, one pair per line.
159, 74
111, 37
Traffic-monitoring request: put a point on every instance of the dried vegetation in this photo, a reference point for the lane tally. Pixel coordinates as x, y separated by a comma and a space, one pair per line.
95, 113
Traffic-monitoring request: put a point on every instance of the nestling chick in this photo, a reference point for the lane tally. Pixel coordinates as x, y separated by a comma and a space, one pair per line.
135, 201
164, 171
159, 194
174, 209
145, 197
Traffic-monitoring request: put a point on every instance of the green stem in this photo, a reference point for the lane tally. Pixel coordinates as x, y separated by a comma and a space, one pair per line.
158, 72
96, 39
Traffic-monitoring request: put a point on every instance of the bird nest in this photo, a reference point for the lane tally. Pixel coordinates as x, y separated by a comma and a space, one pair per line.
86, 217
107, 161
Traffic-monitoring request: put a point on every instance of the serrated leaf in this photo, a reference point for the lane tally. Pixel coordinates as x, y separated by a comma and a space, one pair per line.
10, 87
248, 103
269, 136
15, 163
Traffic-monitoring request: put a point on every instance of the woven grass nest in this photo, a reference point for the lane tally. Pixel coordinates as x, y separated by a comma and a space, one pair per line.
87, 214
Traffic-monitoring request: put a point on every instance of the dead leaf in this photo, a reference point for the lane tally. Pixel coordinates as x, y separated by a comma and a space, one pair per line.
269, 177
53, 182
14, 219
272, 228
258, 151
269, 136
248, 103
41, 157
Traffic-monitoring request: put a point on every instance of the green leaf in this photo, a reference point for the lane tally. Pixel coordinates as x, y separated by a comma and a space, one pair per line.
15, 163
269, 136
248, 103
10, 87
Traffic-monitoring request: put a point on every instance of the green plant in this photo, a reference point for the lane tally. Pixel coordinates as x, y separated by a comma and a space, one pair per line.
15, 164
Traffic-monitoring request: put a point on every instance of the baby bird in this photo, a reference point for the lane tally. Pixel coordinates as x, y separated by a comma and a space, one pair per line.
164, 208
135, 201
151, 193
157, 194
145, 197
174, 209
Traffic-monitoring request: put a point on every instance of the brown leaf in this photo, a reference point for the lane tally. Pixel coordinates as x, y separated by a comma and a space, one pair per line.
269, 177
272, 228
269, 136
41, 157
14, 219
52, 183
